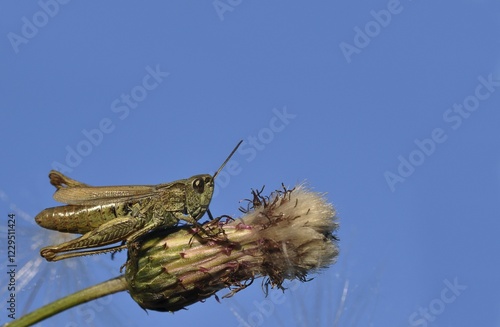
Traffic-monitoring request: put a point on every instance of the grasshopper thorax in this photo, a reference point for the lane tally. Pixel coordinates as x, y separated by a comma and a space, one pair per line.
199, 191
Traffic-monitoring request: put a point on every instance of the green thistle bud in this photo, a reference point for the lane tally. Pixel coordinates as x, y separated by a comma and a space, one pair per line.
284, 236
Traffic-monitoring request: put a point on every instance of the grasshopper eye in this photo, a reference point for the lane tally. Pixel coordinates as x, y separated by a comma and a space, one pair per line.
199, 185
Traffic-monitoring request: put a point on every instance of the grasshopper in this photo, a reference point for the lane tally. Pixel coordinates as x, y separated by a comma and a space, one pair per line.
110, 214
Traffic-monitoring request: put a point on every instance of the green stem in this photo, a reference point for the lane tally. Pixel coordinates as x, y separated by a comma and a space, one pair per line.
108, 287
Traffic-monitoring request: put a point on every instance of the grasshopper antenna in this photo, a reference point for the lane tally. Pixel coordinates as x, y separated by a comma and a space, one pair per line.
220, 168
227, 159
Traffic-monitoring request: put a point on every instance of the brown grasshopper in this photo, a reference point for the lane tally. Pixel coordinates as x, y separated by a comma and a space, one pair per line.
110, 214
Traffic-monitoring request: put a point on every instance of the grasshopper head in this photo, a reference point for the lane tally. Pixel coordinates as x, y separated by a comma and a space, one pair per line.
199, 191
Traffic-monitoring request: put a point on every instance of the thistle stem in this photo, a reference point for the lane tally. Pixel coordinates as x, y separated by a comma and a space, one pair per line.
108, 287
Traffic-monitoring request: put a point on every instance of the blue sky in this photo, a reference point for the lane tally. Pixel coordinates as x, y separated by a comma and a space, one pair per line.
391, 107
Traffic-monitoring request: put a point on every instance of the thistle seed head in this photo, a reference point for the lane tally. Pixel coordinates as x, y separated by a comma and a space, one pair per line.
286, 235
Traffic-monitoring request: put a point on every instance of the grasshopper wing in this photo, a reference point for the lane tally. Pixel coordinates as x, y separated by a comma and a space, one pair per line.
71, 191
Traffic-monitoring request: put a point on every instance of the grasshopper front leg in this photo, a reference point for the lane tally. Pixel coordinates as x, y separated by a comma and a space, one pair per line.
111, 232
180, 216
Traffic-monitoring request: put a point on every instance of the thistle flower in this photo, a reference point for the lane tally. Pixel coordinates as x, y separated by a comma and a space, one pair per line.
287, 235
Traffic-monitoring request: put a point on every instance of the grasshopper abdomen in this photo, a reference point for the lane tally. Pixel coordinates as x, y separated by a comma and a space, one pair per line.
79, 219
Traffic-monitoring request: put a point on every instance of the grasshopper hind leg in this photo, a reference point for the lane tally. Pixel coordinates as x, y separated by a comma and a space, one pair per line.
111, 232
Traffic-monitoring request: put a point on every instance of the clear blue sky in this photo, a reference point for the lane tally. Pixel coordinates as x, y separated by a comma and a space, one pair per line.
392, 108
